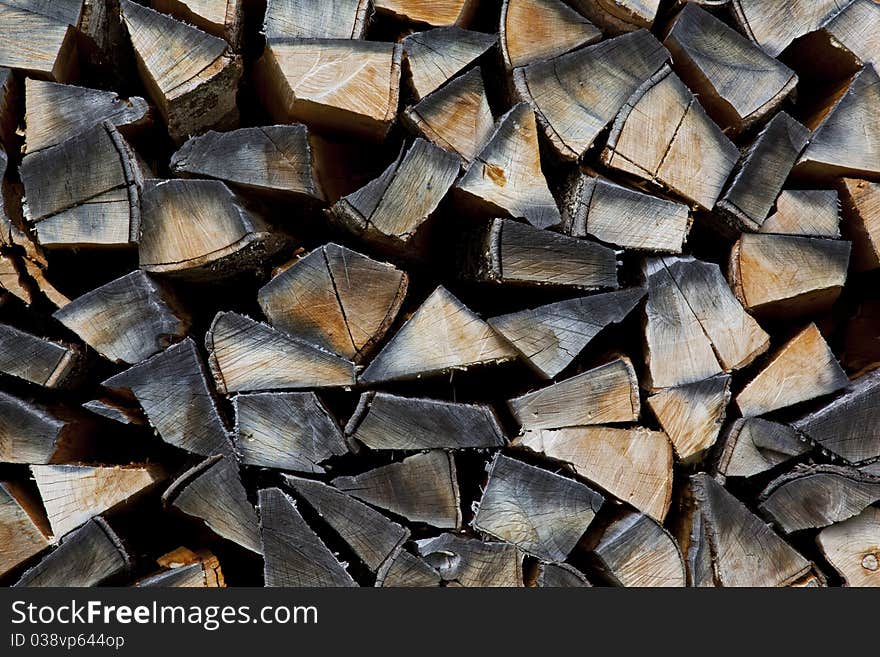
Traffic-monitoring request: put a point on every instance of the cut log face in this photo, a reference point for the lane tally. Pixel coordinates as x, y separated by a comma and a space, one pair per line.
127, 320
470, 562
22, 537
787, 275
435, 56
804, 368
48, 29
85, 557
191, 97
714, 59
293, 555
556, 576
274, 159
550, 337
603, 395
405, 570
810, 213
222, 19
514, 253
335, 298
755, 445
861, 211
853, 548
635, 551
692, 414
634, 465
285, 430
29, 433
112, 409
72, 494
186, 569
439, 12
388, 422
817, 496
36, 360
576, 95
853, 28
316, 19
542, 513
420, 488
442, 335
371, 536
172, 389
356, 91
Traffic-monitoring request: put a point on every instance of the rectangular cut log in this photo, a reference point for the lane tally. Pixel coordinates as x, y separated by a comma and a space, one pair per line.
806, 212
316, 19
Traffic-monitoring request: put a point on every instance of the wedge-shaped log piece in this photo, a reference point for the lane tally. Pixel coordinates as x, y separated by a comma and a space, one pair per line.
623, 217
420, 488
86, 557
861, 212
84, 191
355, 90
390, 209
383, 421
223, 19
191, 76
634, 465
371, 536
463, 561
853, 548
186, 569
437, 55
33, 434
442, 335
36, 360
535, 30
804, 368
737, 82
246, 356
316, 19
272, 159
440, 12
542, 513
114, 409
618, 16
854, 27
172, 389
787, 275
576, 95
555, 576
405, 570
603, 395
21, 532
39, 37
72, 494
775, 25
636, 551
506, 177
285, 430
294, 555
126, 320
692, 414
754, 445
807, 212
762, 172
817, 496
510, 252
550, 337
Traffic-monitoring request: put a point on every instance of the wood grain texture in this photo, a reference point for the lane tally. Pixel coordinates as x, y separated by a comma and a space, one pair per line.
861, 215
619, 16
194, 575
22, 536
115, 410
470, 562
316, 19
806, 212
36, 360
48, 29
852, 547
774, 26
754, 445
222, 18
535, 30
852, 28
405, 570
30, 433
636, 551
555, 576
439, 12
435, 56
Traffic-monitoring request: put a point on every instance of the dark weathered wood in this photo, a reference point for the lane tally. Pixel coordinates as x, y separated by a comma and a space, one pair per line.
113, 409
405, 570
440, 12
852, 28
23, 534
807, 212
853, 548
619, 16
48, 29
755, 445
535, 30
556, 575
316, 19
34, 359
435, 56
861, 213
30, 433
470, 562
223, 19
10, 101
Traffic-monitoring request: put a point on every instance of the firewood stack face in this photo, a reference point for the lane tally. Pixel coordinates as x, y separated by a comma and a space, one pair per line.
457, 293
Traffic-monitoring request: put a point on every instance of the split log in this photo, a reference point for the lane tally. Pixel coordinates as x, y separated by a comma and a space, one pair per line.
383, 421
636, 551
22, 532
435, 56
440, 12
603, 395
442, 335
692, 414
555, 576
754, 445
634, 465
293, 555
285, 430
853, 548
191, 76
371, 536
510, 252
852, 28
541, 513
112, 409
247, 356
664, 136
48, 29
407, 570
774, 26
785, 275
810, 213
803, 368
576, 95
619, 16
30, 433
172, 389
316, 19
222, 19
861, 212
816, 496
73, 494
470, 562
421, 488
36, 360
550, 337
185, 568
86, 557
388, 211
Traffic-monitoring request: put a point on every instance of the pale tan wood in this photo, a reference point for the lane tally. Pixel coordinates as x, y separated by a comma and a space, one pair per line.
755, 445
861, 216
48, 29
810, 213
316, 19
12, 281
853, 548
21, 535
636, 551
437, 55
222, 18
187, 569
437, 12
37, 273
620, 16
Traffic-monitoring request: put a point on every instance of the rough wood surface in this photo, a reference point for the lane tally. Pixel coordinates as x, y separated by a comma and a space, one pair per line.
437, 55
463, 561
48, 29
861, 212
405, 570
31, 433
754, 445
439, 12
316, 19
618, 16
34, 359
22, 535
806, 212
223, 19
774, 26
556, 575
853, 548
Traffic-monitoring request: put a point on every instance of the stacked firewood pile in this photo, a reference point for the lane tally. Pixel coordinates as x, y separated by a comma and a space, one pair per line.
449, 293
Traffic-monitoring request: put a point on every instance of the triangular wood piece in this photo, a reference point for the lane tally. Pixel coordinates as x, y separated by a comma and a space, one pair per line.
316, 19
576, 95
24, 533
852, 28
447, 12
550, 337
212, 491
619, 16
755, 445
72, 494
853, 548
861, 211
556, 576
809, 213
435, 56
405, 570
49, 31
442, 335
542, 513
246, 356
421, 488
36, 360
114, 409
774, 26
294, 555
383, 421
184, 568
172, 389
32, 434
222, 19
535, 30
470, 562
371, 536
